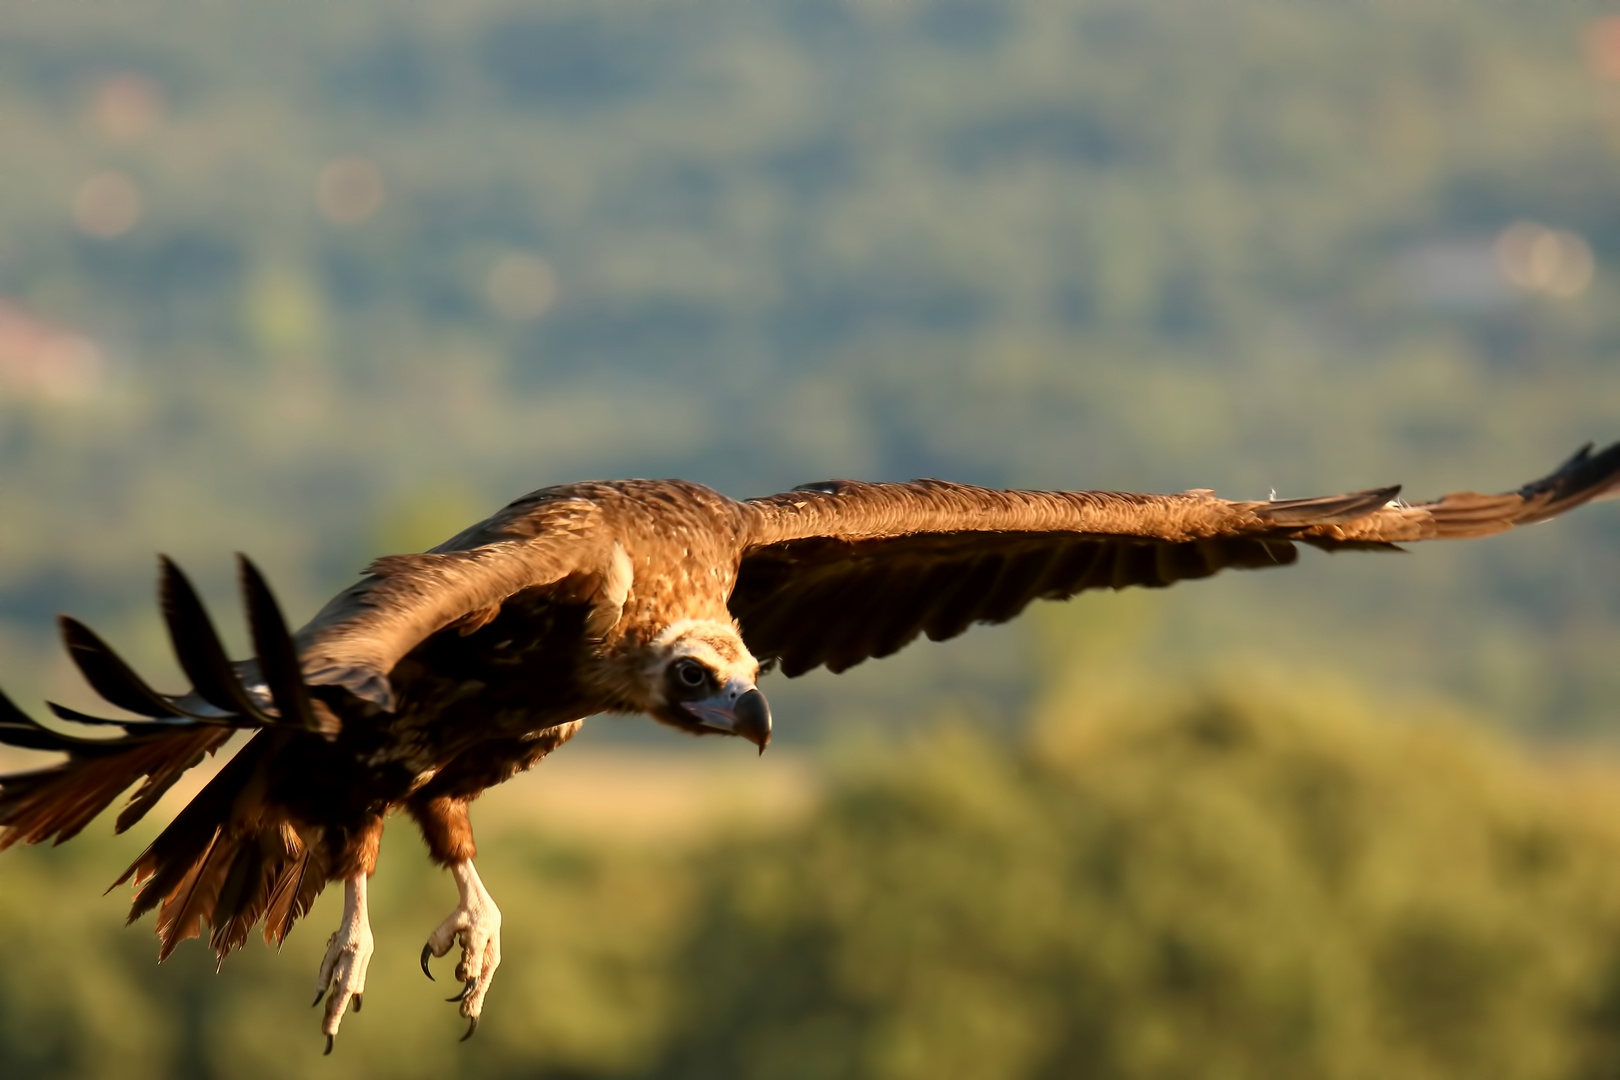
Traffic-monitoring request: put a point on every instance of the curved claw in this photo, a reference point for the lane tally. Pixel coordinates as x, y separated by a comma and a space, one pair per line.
472, 1026
357, 1000
318, 995
427, 952
465, 990
329, 1040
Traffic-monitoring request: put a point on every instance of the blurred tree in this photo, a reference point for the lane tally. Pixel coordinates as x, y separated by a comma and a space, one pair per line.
1238, 882
1245, 880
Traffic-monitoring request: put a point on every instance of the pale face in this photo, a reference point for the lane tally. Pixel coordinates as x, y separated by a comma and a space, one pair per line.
700, 677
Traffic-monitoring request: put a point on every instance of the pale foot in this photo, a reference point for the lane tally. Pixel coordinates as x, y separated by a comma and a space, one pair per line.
476, 926
348, 954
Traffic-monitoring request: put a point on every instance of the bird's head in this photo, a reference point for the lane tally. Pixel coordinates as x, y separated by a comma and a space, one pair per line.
700, 677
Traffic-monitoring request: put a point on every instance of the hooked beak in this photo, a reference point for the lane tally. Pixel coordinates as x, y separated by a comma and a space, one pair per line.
738, 709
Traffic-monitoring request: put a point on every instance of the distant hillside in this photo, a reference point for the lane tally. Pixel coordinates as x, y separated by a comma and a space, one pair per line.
335, 279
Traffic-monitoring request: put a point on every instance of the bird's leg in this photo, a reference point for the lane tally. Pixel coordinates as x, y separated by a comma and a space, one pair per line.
348, 953
475, 925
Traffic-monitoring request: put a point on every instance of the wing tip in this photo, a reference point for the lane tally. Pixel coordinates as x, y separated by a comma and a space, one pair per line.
1584, 475
1582, 478
279, 663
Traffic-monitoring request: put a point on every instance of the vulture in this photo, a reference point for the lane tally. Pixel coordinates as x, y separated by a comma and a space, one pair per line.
442, 673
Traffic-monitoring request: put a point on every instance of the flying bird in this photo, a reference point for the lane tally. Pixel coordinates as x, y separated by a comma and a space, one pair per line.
443, 673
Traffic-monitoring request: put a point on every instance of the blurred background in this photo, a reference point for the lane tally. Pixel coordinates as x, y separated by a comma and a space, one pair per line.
318, 282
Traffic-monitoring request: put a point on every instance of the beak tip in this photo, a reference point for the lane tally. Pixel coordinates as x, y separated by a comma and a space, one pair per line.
754, 719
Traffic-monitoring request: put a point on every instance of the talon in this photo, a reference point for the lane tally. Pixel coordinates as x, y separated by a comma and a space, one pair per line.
427, 951
475, 925
342, 977
329, 1040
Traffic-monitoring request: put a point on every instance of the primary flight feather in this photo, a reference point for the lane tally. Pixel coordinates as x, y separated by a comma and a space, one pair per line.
443, 673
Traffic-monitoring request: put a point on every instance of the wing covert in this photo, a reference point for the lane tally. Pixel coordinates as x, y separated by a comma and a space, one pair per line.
537, 542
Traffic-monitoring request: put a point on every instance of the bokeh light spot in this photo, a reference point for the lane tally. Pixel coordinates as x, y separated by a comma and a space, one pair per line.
522, 287
349, 190
43, 360
107, 205
1538, 259
125, 107
1603, 48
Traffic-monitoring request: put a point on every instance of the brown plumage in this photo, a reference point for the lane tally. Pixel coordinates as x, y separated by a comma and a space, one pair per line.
443, 673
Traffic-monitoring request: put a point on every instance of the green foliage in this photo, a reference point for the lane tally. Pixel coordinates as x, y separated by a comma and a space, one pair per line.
1245, 880
585, 979
1235, 883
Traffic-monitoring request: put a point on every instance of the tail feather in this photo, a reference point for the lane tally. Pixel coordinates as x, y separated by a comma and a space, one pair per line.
268, 881
160, 870
239, 879
294, 893
247, 865
226, 861
183, 911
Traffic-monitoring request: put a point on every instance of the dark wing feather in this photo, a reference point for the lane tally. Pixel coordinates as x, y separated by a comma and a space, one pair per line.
197, 647
107, 673
838, 572
278, 660
839, 604
59, 800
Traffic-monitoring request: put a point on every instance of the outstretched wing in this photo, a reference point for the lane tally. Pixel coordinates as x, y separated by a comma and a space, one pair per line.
837, 572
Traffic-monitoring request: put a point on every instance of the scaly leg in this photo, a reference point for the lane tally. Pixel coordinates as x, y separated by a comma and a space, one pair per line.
475, 925
348, 953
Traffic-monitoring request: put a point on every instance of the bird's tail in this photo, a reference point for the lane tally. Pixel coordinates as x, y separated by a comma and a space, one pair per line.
225, 858
229, 859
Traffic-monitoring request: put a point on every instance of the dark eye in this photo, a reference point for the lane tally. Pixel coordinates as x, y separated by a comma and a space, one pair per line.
691, 674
